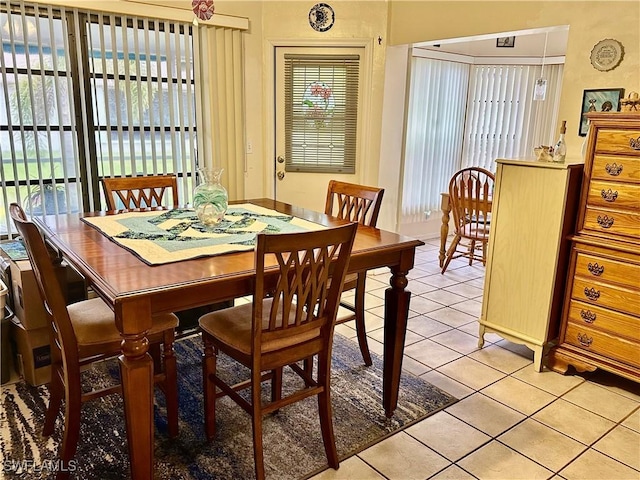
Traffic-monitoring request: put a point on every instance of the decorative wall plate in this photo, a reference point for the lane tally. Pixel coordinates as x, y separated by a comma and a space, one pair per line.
321, 17
607, 54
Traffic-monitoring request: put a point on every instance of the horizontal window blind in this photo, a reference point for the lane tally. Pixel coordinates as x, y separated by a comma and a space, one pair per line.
321, 106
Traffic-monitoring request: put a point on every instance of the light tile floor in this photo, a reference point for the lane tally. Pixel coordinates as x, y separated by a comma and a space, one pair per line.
511, 422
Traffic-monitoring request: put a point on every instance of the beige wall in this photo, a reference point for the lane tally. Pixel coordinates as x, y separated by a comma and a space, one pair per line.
403, 22
589, 22
286, 22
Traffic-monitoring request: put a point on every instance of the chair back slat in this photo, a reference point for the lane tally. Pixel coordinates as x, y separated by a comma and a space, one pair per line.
140, 192
65, 342
356, 203
311, 267
470, 196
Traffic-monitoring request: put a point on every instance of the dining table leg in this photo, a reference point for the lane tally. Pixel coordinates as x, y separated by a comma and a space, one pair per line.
445, 207
136, 370
396, 312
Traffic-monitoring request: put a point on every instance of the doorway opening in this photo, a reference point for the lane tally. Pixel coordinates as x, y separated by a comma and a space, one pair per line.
470, 101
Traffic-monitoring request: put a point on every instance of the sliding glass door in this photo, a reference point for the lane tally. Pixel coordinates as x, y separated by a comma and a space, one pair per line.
87, 96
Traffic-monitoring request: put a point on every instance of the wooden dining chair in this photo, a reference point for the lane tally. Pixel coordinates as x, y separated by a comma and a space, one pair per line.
148, 193
83, 333
298, 282
140, 192
361, 204
470, 197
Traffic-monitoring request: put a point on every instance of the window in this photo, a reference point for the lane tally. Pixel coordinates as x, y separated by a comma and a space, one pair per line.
435, 128
143, 97
321, 105
88, 96
503, 120
464, 115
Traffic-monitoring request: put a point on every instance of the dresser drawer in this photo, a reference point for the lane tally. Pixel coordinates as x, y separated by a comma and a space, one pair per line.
602, 319
617, 297
602, 343
607, 270
614, 195
618, 141
609, 167
613, 222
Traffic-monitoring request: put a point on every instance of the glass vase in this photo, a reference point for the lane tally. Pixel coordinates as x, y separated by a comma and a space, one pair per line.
210, 198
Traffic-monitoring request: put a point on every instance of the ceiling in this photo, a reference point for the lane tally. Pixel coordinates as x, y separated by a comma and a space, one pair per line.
549, 42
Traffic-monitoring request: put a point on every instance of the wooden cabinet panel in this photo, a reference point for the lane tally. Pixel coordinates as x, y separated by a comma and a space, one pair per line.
610, 167
612, 222
611, 346
615, 323
618, 141
612, 296
614, 195
526, 264
606, 269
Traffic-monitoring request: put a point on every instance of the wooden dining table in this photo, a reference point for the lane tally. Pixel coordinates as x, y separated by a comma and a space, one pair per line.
445, 208
136, 291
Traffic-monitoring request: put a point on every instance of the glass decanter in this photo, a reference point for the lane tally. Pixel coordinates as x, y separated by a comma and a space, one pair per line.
210, 198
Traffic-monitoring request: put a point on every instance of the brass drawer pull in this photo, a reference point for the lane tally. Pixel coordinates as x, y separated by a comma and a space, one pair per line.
613, 169
592, 293
605, 222
609, 195
588, 316
634, 143
595, 269
584, 340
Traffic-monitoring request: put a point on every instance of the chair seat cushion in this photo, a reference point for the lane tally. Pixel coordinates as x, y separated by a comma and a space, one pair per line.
232, 326
95, 328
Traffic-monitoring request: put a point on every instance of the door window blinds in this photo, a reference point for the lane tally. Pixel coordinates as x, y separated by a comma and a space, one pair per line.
321, 108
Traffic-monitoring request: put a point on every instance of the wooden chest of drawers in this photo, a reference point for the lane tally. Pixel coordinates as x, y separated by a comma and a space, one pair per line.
601, 316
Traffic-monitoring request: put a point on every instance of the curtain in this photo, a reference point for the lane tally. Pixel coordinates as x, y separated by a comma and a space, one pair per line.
142, 92
461, 115
220, 105
435, 127
503, 120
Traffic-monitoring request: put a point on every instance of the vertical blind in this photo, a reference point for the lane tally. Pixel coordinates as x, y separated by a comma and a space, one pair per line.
220, 102
87, 96
38, 131
503, 120
461, 116
142, 83
435, 127
321, 106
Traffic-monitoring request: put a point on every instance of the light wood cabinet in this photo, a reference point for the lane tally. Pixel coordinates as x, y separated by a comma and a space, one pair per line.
534, 210
601, 318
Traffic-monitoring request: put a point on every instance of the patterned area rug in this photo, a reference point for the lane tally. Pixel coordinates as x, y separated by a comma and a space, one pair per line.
293, 444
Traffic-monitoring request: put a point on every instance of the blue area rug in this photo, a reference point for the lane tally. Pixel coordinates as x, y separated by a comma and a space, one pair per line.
292, 440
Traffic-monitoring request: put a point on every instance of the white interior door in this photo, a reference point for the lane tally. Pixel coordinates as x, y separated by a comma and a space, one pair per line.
305, 189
